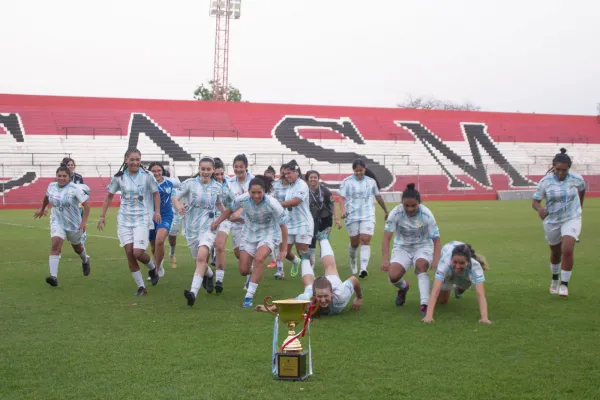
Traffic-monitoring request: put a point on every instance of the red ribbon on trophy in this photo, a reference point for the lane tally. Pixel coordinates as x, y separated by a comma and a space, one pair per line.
311, 309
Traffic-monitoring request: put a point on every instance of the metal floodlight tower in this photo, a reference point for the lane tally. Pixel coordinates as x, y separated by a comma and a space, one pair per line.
222, 10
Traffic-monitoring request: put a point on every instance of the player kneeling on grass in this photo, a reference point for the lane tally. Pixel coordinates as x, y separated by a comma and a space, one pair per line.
332, 294
65, 220
460, 267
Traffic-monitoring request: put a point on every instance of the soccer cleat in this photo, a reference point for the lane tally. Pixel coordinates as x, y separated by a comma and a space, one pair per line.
173, 261
141, 291
52, 281
563, 291
295, 267
324, 234
423, 310
219, 287
86, 267
554, 286
401, 296
161, 272
273, 264
353, 269
190, 296
279, 275
457, 294
247, 302
363, 274
153, 275
209, 283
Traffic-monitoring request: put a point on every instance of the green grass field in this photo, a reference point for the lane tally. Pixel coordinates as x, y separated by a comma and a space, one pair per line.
91, 338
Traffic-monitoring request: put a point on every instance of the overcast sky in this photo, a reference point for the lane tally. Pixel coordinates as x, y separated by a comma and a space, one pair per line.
504, 55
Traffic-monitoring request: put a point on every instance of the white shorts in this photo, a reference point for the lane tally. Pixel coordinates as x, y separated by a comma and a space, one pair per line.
302, 239
407, 260
225, 227
250, 248
236, 235
205, 239
361, 228
175, 225
75, 237
555, 232
139, 236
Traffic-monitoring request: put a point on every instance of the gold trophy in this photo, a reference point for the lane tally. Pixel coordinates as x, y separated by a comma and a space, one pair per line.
291, 359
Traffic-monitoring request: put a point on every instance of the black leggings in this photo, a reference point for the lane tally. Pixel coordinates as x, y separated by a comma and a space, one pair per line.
320, 225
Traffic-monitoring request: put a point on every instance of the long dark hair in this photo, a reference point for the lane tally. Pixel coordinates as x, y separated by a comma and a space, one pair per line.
203, 159
561, 157
123, 167
263, 181
292, 165
165, 173
63, 168
469, 252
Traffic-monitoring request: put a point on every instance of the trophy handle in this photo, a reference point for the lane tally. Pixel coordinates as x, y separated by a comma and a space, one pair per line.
268, 304
315, 304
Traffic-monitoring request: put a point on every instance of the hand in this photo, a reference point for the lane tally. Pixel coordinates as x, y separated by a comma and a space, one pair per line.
338, 223
385, 265
214, 226
156, 218
181, 210
101, 223
82, 226
485, 321
543, 213
39, 213
344, 214
428, 320
281, 255
357, 303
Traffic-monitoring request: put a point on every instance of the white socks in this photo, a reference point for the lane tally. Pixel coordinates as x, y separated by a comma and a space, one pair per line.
424, 287
83, 255
150, 265
209, 272
352, 252
365, 255
251, 290
307, 269
326, 249
555, 269
220, 275
565, 276
401, 284
53, 261
138, 278
196, 284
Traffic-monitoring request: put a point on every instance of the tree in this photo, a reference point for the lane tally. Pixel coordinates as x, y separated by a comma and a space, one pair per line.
206, 93
425, 103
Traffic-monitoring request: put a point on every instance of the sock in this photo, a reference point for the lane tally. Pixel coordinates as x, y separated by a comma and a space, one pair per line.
138, 278
280, 266
424, 287
83, 255
311, 253
251, 290
209, 272
352, 252
248, 277
196, 283
296, 260
365, 255
564, 277
53, 261
220, 275
150, 265
172, 250
401, 284
326, 249
307, 269
555, 269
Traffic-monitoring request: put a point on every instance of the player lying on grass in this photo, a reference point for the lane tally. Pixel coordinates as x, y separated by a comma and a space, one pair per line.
460, 267
332, 294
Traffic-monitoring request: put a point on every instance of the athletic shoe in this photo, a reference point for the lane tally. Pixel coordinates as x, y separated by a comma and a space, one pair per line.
153, 274
554, 286
294, 269
273, 264
423, 310
141, 291
209, 283
279, 275
52, 281
247, 302
324, 234
86, 266
190, 296
563, 291
401, 296
161, 272
363, 274
219, 287
173, 261
353, 269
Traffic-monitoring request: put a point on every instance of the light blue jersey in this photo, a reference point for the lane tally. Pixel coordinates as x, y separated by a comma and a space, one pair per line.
300, 219
202, 202
237, 189
561, 197
342, 293
445, 270
412, 233
358, 198
280, 190
65, 205
137, 203
263, 220
227, 199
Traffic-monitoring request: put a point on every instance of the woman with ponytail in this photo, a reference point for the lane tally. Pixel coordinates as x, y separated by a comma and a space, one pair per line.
140, 208
460, 267
562, 192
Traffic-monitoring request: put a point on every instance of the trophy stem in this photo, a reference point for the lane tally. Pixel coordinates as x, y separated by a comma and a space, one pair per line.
295, 346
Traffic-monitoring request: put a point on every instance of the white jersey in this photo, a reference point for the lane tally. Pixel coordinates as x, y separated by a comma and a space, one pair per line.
201, 205
300, 218
445, 270
137, 198
65, 205
227, 199
262, 220
412, 233
280, 190
237, 189
358, 198
342, 293
561, 197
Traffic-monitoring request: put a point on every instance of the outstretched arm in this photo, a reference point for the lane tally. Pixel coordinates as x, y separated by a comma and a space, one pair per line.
359, 298
483, 308
105, 205
42, 210
382, 205
435, 292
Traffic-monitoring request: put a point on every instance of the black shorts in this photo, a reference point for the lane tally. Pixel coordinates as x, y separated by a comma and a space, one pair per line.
320, 225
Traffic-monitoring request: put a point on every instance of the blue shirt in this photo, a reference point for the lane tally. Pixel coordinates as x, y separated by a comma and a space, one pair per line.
166, 190
358, 198
561, 197
412, 233
445, 270
262, 221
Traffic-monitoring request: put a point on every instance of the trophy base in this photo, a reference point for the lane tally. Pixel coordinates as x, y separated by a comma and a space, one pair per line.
292, 366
